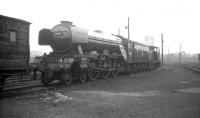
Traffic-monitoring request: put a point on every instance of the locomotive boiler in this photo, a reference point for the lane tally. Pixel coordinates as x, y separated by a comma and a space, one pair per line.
81, 54
68, 39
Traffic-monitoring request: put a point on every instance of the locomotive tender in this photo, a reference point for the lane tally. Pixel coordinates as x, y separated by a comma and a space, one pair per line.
81, 54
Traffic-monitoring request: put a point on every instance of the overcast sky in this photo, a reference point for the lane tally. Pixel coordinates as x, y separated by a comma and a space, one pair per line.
178, 20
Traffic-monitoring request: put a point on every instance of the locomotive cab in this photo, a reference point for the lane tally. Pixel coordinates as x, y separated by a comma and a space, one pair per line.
155, 55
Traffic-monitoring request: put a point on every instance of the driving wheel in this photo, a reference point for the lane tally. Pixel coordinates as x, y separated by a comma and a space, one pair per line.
67, 78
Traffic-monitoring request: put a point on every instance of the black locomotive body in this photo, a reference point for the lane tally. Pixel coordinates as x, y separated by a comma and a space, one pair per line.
14, 47
81, 54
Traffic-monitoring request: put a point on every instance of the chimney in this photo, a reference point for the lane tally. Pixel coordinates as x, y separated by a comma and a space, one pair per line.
67, 23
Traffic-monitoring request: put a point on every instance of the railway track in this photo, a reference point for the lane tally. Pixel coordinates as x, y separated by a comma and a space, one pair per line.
20, 83
192, 66
38, 87
15, 87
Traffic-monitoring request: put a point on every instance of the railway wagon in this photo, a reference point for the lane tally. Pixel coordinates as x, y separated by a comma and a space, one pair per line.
14, 47
81, 54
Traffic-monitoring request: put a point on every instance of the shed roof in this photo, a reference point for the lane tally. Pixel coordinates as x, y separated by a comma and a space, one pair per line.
16, 19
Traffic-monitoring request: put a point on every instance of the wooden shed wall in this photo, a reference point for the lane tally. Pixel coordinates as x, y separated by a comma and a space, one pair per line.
14, 55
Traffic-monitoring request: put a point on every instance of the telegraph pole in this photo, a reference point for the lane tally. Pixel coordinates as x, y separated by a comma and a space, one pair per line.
118, 31
128, 30
180, 55
162, 47
168, 55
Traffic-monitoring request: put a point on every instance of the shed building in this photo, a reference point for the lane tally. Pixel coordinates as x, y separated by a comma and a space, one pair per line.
14, 44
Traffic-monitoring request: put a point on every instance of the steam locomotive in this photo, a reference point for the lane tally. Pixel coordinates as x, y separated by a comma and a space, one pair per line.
82, 54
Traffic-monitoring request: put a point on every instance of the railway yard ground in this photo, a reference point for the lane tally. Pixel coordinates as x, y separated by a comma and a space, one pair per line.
171, 92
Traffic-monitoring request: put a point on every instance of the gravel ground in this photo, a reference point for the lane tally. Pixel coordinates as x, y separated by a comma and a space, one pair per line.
144, 95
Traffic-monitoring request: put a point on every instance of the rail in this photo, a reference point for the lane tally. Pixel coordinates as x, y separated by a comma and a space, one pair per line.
192, 66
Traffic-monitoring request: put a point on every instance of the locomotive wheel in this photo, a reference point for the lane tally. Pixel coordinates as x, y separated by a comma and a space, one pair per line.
144, 66
45, 79
114, 73
93, 74
128, 69
135, 68
151, 66
67, 78
83, 76
2, 82
105, 74
140, 68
